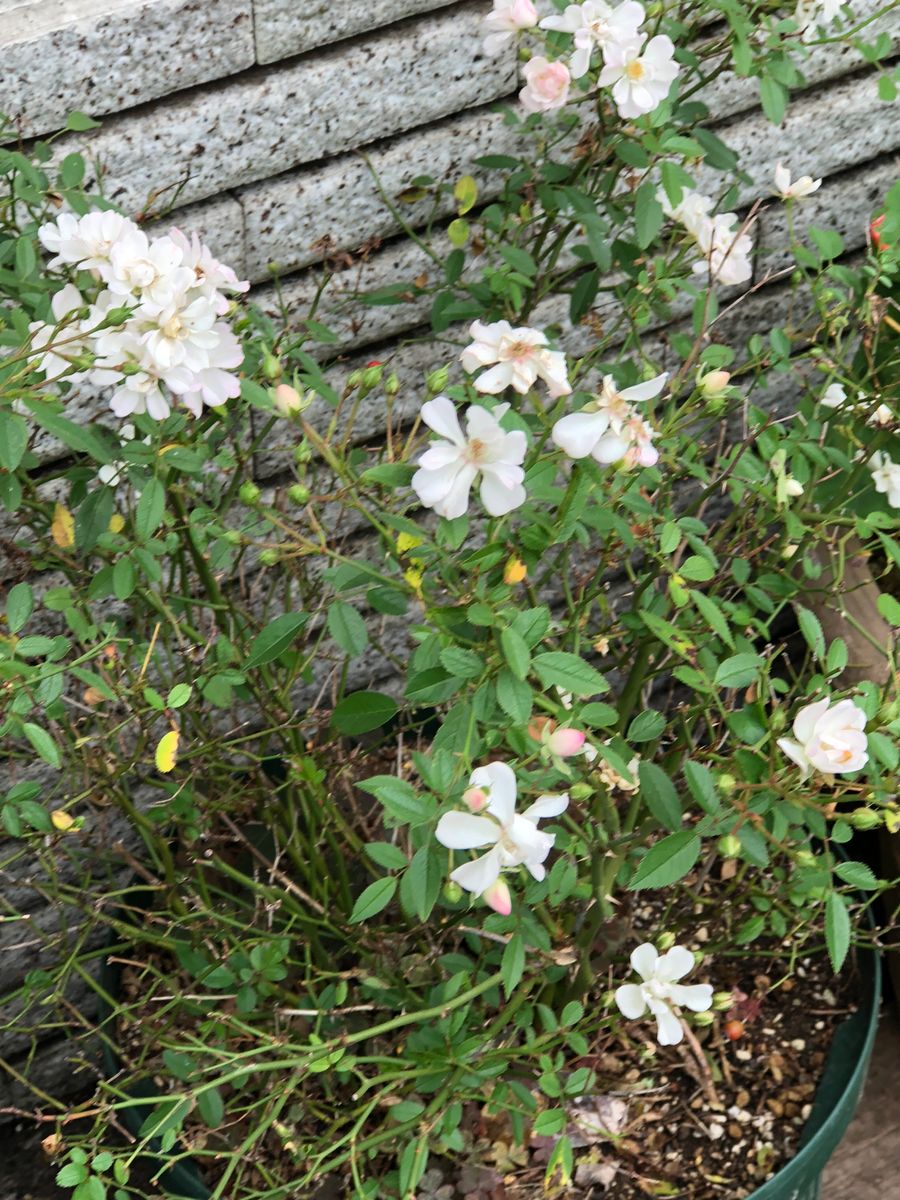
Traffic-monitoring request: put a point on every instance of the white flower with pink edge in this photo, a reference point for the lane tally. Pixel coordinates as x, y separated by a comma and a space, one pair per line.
595, 24
829, 738
450, 466
640, 74
517, 358
546, 85
514, 838
507, 19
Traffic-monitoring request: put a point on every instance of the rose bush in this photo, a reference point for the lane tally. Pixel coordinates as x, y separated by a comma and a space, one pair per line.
316, 700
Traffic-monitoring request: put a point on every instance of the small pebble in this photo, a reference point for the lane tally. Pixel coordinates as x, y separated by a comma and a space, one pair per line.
798, 1044
715, 1131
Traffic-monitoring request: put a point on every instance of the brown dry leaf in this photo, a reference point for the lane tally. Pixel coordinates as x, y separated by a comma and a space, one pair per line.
599, 1119
62, 528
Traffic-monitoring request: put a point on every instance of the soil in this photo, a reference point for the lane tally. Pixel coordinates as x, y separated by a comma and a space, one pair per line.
658, 1124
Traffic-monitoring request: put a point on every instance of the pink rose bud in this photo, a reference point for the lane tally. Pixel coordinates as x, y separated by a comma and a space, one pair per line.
287, 400
475, 799
523, 14
498, 898
566, 742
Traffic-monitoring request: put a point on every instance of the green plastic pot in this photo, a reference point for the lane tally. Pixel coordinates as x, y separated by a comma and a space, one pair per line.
835, 1102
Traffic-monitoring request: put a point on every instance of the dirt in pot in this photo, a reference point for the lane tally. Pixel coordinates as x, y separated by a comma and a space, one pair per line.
655, 1122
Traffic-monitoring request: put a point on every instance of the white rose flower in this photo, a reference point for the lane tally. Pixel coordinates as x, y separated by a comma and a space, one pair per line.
726, 247
506, 19
830, 738
521, 357
450, 466
66, 332
609, 428
799, 189
660, 992
154, 270
596, 24
514, 838
833, 396
84, 241
546, 85
640, 74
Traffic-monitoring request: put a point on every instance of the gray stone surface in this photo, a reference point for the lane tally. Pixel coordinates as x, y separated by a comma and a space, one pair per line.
270, 120
349, 201
285, 27
844, 203
102, 56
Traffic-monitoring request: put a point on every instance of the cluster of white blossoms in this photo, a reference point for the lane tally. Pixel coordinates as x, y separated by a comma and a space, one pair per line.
725, 245
830, 738
660, 992
610, 428
172, 347
638, 69
835, 396
514, 838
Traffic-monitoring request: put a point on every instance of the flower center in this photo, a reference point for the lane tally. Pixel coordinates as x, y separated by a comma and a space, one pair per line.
172, 328
635, 70
519, 350
476, 451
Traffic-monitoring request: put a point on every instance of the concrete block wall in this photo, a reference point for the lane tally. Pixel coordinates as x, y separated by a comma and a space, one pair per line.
264, 123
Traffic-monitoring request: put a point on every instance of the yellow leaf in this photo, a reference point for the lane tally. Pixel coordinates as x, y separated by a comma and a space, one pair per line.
465, 193
514, 571
62, 530
167, 751
166, 448
61, 820
116, 523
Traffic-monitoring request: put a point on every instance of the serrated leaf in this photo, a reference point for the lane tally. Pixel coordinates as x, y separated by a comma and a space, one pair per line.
738, 671
515, 652
667, 861
702, 785
512, 964
515, 697
347, 628
659, 794
376, 897
362, 712
713, 616
837, 929
857, 875
646, 726
386, 855
400, 799
422, 880
43, 743
811, 628
275, 639
559, 668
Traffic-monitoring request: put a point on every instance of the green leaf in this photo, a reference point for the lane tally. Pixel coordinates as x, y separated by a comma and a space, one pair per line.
713, 616
275, 639
514, 697
858, 875
583, 294
413, 1161
465, 664
179, 695
660, 795
515, 651
211, 1107
13, 439
80, 122
363, 711
512, 964
738, 671
811, 628
150, 509
92, 518
667, 861
19, 606
648, 214
559, 668
43, 743
422, 880
774, 98
399, 798
71, 1175
702, 785
26, 259
387, 856
124, 578
377, 896
697, 568
646, 726
347, 628
837, 929
889, 609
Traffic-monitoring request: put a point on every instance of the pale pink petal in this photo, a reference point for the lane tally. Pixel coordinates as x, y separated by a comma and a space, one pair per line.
499, 781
